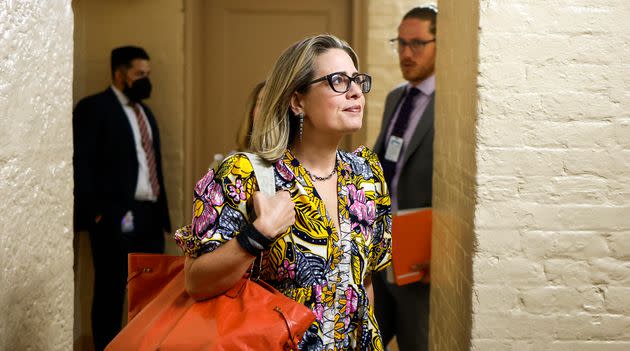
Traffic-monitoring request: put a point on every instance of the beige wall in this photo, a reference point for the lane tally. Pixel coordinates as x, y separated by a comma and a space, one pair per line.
35, 164
454, 172
552, 265
158, 26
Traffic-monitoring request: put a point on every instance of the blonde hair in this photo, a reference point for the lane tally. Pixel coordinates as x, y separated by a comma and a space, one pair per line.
274, 128
244, 134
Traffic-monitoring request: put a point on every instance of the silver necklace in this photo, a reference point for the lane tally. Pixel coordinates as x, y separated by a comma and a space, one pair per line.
321, 179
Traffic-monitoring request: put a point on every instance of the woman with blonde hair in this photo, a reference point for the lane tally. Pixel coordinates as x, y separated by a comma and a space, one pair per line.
328, 228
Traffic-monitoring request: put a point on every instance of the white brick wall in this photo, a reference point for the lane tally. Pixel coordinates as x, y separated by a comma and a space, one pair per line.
36, 285
552, 223
454, 191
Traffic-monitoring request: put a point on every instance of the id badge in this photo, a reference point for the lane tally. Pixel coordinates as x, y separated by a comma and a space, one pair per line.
394, 146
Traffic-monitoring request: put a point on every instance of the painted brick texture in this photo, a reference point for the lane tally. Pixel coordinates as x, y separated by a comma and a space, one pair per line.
36, 277
454, 172
551, 265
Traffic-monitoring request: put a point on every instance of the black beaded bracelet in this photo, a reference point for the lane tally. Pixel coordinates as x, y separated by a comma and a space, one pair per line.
245, 243
252, 240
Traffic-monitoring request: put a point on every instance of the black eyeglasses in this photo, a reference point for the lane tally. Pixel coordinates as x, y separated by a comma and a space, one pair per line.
340, 82
416, 45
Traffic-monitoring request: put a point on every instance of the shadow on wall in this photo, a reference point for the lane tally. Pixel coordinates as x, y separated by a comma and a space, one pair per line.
83, 291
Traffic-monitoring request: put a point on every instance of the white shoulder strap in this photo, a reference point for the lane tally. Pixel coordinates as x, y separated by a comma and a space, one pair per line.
264, 173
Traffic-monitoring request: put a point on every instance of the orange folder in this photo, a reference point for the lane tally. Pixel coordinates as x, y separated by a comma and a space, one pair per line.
411, 243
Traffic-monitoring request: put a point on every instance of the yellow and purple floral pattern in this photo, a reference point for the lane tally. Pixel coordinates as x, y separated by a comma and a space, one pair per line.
311, 262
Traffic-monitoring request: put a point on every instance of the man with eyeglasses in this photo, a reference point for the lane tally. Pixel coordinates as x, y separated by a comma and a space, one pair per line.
405, 149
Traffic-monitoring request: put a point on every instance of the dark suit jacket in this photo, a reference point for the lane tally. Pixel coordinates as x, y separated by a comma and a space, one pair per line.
415, 181
106, 162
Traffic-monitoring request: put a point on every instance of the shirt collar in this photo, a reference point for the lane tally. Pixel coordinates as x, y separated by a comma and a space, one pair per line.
427, 86
124, 100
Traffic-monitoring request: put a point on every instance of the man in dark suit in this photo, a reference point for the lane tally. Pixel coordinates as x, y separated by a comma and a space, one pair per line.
119, 191
405, 149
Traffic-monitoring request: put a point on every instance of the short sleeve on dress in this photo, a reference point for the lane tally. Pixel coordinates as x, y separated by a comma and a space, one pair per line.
220, 206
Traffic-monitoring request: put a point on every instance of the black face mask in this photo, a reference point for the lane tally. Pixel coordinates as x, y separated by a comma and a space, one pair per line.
140, 89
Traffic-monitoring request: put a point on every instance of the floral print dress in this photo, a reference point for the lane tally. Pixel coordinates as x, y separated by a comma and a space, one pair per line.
311, 262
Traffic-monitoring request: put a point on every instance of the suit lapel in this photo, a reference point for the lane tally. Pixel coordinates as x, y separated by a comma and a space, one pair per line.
119, 112
425, 124
126, 133
390, 108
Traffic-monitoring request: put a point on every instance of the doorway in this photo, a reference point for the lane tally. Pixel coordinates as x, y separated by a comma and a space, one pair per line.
206, 57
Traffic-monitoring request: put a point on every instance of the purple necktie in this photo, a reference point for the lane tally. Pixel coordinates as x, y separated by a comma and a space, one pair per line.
400, 126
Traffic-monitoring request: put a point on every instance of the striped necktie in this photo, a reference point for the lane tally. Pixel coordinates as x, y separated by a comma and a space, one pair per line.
147, 145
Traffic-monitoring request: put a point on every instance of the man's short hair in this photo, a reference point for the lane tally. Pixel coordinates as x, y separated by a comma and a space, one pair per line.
122, 56
424, 13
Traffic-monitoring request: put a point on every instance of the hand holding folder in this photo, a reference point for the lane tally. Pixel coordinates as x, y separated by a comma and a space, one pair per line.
411, 244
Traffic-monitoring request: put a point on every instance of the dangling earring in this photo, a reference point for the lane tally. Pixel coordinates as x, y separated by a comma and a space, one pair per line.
300, 117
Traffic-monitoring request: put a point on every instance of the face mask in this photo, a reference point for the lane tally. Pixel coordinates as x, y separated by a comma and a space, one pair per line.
139, 89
